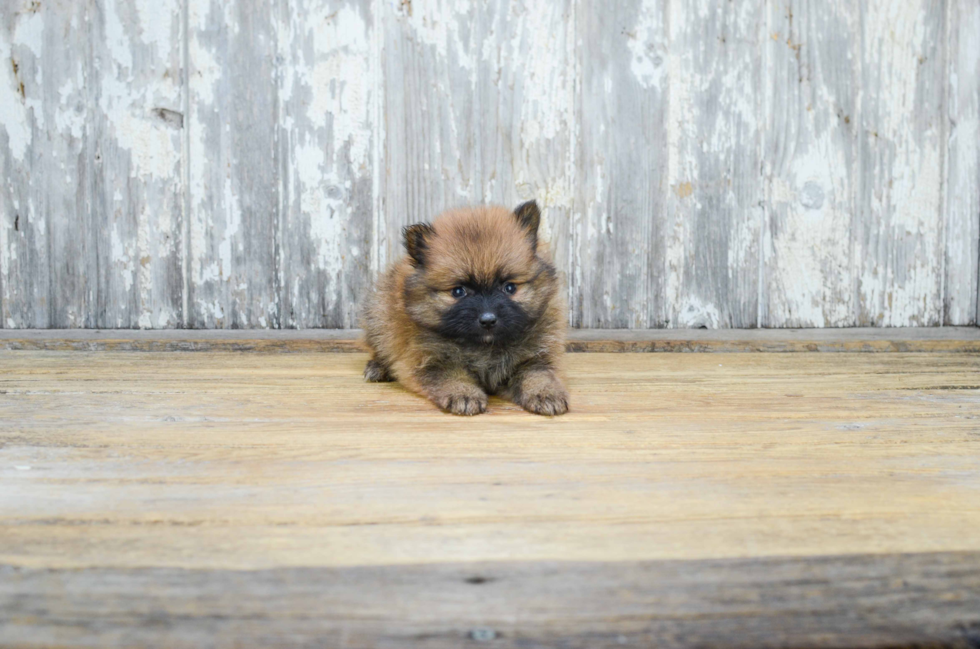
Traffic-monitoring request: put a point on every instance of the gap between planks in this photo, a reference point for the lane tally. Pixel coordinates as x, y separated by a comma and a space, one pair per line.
866, 339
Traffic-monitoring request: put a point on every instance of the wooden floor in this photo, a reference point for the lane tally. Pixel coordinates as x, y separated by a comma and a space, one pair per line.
245, 499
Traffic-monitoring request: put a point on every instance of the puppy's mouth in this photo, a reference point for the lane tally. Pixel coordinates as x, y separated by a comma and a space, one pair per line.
487, 339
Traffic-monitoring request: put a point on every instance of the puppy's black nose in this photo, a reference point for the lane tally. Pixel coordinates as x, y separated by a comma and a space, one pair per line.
488, 320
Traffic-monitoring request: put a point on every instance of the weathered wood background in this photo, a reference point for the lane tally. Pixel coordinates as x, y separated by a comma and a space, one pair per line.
249, 163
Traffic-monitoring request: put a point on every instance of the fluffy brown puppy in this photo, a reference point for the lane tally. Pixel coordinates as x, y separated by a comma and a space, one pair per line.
473, 309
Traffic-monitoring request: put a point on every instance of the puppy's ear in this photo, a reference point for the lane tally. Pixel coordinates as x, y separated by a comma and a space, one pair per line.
416, 241
529, 217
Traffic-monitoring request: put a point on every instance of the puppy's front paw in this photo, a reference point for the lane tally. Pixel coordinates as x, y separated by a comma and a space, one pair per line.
550, 399
375, 372
469, 403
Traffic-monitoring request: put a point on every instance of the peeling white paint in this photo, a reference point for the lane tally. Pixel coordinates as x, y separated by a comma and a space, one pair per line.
6, 225
962, 195
205, 74
71, 116
13, 113
144, 269
156, 26
853, 222
122, 254
339, 91
437, 23
232, 223
152, 145
324, 212
546, 102
116, 38
29, 31
811, 242
647, 52
379, 257
329, 103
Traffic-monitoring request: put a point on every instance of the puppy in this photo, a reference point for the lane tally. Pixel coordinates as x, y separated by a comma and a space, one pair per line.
473, 309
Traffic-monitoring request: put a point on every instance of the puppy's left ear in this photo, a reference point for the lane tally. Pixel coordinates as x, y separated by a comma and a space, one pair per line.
529, 218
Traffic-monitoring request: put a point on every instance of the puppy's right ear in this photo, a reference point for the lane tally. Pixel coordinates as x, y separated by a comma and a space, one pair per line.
416, 241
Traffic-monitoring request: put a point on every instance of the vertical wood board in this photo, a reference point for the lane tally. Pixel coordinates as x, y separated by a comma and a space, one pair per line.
962, 172
622, 142
47, 251
233, 170
326, 132
714, 188
137, 189
899, 230
810, 163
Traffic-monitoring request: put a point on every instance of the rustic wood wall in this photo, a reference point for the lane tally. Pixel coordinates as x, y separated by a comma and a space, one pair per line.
249, 163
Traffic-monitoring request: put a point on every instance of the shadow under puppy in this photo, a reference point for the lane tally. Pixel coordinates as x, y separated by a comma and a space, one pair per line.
474, 309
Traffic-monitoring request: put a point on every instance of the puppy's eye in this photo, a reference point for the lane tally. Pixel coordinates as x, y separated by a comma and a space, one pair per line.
459, 291
510, 287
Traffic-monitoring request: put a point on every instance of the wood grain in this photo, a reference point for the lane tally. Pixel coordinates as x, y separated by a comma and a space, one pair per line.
898, 131
48, 253
137, 182
479, 103
811, 164
205, 164
715, 190
962, 195
687, 500
850, 601
233, 201
326, 136
92, 225
255, 461
615, 277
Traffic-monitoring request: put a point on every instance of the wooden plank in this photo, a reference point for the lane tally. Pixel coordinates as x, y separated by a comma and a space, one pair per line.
618, 226
233, 165
936, 339
48, 241
962, 195
899, 234
238, 461
714, 191
851, 601
479, 107
243, 500
811, 164
327, 95
137, 188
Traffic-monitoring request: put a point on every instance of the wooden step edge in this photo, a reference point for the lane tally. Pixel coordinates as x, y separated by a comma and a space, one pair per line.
932, 339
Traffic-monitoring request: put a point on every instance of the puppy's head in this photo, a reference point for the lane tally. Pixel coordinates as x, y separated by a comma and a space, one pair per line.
477, 276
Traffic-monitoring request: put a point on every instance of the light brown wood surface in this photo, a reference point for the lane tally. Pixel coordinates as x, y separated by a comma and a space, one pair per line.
138, 470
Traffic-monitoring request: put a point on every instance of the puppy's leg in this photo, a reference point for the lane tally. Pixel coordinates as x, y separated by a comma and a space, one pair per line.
454, 391
377, 372
537, 389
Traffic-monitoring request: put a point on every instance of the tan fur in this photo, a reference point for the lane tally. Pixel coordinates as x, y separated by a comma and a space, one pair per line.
401, 315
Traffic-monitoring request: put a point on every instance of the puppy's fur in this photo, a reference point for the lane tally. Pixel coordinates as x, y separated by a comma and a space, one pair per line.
473, 309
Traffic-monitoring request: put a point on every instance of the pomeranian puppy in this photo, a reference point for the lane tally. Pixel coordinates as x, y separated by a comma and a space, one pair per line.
473, 309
